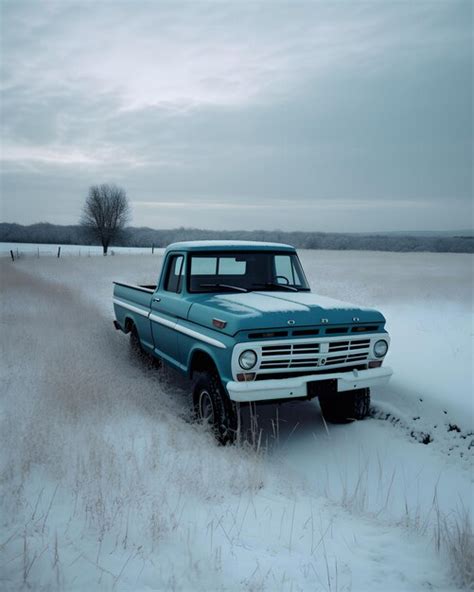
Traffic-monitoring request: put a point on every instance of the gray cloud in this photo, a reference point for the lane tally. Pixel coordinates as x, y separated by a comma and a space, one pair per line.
309, 115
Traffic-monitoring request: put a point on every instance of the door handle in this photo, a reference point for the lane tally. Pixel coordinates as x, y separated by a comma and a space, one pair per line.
156, 299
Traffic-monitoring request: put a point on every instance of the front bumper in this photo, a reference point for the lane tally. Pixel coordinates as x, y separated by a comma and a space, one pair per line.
295, 388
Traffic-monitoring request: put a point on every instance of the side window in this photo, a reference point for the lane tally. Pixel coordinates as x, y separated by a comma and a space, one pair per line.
174, 275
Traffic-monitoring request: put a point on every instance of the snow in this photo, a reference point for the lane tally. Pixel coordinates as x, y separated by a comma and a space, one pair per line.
107, 485
284, 301
262, 302
427, 300
310, 299
41, 249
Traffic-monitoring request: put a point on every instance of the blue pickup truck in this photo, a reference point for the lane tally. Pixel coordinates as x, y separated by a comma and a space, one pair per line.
239, 319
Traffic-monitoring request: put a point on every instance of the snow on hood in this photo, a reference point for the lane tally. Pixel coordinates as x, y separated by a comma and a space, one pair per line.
265, 310
284, 301
260, 302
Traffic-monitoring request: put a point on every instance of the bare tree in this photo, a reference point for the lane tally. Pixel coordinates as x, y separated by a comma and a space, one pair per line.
105, 213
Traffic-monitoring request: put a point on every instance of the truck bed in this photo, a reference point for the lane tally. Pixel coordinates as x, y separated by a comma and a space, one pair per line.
132, 306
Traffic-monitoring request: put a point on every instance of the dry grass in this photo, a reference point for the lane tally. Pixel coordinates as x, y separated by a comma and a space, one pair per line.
454, 535
99, 449
97, 444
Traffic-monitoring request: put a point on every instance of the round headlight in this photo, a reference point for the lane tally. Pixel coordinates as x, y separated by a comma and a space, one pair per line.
247, 359
380, 348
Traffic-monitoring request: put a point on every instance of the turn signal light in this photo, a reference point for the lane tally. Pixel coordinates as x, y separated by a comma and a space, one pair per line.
246, 377
219, 324
375, 364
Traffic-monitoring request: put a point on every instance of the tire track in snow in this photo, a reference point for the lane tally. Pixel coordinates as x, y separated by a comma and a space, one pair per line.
427, 423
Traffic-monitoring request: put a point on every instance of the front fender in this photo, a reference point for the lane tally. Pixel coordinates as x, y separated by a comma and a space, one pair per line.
220, 357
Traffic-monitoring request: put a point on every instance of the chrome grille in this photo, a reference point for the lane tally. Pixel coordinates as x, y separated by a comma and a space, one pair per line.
349, 345
313, 355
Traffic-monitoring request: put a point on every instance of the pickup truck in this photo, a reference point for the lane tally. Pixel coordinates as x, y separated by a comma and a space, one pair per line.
238, 318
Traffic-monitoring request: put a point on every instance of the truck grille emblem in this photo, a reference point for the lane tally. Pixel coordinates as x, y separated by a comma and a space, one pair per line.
291, 322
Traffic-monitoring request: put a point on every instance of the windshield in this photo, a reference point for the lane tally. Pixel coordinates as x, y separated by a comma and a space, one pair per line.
245, 272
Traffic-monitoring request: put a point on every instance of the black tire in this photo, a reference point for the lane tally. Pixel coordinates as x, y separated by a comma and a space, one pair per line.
135, 344
139, 353
213, 406
346, 406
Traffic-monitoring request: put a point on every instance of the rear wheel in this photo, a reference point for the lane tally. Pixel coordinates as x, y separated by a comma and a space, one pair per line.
346, 406
213, 407
135, 344
139, 352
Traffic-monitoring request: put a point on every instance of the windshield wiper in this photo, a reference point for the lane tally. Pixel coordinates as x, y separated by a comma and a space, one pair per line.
284, 286
228, 286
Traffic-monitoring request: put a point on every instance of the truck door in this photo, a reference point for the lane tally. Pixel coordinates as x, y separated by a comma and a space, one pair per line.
167, 306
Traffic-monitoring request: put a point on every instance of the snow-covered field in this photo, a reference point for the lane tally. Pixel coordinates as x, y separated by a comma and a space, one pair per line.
105, 485
42, 250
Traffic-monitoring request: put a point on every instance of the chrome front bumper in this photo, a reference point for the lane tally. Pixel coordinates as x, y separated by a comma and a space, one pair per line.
288, 388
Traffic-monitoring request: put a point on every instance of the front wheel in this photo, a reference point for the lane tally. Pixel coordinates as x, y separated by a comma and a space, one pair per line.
346, 406
213, 407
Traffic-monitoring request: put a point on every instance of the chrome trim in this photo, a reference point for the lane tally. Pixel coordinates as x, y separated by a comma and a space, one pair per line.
296, 387
124, 304
135, 287
321, 350
186, 331
162, 321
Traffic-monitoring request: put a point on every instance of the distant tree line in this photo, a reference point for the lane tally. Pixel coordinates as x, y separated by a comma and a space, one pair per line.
146, 237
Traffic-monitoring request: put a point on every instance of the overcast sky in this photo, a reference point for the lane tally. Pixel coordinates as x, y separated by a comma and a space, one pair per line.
299, 115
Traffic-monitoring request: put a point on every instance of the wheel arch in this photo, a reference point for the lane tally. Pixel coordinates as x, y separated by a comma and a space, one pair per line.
201, 360
128, 323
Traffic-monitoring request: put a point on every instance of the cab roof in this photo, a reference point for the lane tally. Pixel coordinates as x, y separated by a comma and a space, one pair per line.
228, 245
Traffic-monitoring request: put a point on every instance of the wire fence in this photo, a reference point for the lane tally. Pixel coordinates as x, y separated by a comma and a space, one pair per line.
16, 251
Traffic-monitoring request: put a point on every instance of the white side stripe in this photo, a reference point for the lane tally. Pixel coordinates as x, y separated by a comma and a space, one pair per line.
162, 321
124, 304
186, 331
171, 324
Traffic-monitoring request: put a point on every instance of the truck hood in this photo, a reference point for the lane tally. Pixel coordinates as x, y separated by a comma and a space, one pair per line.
271, 310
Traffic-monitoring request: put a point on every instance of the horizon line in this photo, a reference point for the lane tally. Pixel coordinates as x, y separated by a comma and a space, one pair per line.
279, 230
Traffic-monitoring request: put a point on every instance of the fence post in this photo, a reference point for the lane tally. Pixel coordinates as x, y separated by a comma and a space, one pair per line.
152, 248
38, 252
12, 255
59, 252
